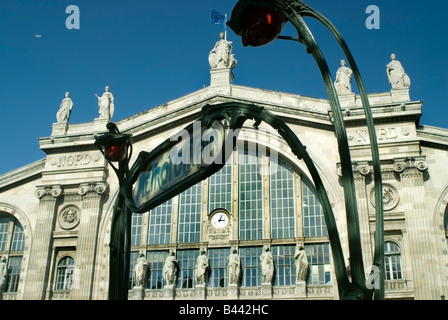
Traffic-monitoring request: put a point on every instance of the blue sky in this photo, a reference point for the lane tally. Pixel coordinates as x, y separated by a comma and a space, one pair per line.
151, 52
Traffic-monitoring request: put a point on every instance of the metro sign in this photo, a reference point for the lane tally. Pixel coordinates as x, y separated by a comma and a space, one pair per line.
185, 159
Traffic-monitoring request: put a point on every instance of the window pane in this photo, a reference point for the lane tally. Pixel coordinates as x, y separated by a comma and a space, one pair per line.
64, 275
284, 265
4, 223
136, 229
220, 188
250, 197
159, 228
18, 239
282, 202
156, 261
250, 263
190, 214
319, 259
392, 260
313, 217
14, 266
187, 261
217, 259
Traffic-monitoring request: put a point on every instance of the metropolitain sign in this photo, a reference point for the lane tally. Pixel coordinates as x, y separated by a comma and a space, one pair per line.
183, 160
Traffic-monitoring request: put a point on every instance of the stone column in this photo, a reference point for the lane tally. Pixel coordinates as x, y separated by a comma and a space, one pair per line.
87, 238
423, 260
362, 170
40, 254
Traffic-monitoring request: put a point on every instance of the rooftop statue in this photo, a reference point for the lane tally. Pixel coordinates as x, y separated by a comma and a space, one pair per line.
343, 80
65, 109
221, 56
106, 104
398, 79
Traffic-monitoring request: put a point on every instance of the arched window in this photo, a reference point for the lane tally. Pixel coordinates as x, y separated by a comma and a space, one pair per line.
263, 196
392, 261
64, 274
12, 244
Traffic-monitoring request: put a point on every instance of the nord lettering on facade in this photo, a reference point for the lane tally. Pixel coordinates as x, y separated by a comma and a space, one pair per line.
73, 160
383, 134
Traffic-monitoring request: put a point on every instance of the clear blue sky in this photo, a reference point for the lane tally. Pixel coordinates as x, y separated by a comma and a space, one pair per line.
151, 52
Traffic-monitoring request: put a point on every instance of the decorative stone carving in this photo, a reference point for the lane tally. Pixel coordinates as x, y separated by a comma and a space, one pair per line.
54, 191
106, 105
221, 55
170, 269
391, 197
234, 268
398, 79
65, 109
3, 276
68, 218
410, 162
98, 188
343, 80
302, 265
141, 268
201, 268
267, 266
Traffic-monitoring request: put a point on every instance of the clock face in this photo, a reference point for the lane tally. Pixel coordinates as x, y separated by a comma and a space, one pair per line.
220, 220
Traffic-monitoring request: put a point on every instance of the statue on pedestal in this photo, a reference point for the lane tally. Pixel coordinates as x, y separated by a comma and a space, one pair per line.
398, 79
201, 268
267, 266
302, 265
343, 80
65, 109
3, 274
106, 104
234, 269
140, 270
221, 55
170, 269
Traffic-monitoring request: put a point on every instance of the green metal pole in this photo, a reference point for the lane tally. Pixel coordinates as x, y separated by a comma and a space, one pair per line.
292, 11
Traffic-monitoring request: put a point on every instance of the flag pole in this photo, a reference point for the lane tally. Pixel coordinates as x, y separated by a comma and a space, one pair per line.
225, 26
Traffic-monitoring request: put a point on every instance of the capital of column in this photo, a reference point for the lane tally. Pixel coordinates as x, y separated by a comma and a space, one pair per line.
53, 191
93, 187
402, 164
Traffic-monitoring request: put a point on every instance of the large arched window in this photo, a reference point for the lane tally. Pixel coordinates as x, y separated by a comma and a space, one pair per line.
12, 244
265, 199
392, 261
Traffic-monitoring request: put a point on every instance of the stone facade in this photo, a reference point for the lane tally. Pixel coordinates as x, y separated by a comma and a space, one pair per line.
63, 204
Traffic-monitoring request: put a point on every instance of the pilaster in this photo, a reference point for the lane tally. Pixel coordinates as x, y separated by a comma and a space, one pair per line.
424, 263
40, 253
91, 194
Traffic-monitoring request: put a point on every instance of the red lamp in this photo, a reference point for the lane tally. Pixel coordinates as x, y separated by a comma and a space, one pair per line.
262, 27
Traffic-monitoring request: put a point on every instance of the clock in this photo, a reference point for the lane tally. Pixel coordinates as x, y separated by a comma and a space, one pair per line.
220, 220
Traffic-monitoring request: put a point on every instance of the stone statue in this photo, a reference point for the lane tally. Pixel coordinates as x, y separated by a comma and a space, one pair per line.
65, 109
343, 80
170, 269
140, 270
267, 266
302, 265
3, 274
201, 268
234, 268
106, 104
221, 56
398, 79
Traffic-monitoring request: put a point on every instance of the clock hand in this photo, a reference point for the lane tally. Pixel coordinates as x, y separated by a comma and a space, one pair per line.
220, 219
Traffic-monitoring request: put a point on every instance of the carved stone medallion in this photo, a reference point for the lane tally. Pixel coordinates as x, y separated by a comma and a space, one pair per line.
69, 217
390, 197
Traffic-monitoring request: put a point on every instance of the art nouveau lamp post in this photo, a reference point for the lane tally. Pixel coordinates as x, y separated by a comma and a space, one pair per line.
117, 148
259, 22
